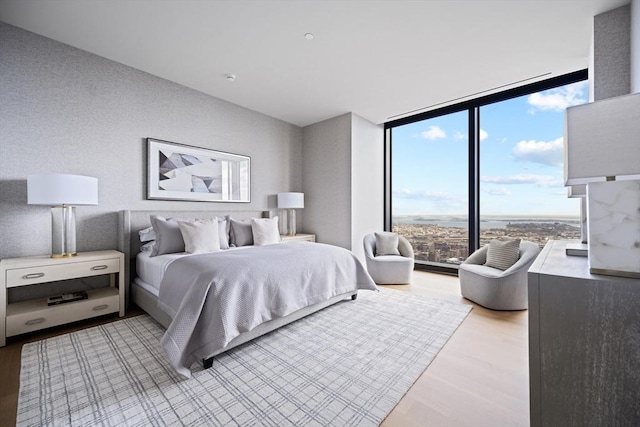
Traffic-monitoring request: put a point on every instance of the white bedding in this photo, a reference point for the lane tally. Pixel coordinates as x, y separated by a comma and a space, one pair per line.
215, 297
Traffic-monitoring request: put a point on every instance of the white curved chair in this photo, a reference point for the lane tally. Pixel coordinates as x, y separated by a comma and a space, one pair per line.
389, 269
497, 289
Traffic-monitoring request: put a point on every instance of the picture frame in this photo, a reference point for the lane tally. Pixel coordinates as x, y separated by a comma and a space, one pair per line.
183, 172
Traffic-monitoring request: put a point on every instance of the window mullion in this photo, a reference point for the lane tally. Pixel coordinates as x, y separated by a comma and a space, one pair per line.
474, 178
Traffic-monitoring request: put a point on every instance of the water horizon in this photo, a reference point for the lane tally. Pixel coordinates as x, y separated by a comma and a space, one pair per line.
487, 221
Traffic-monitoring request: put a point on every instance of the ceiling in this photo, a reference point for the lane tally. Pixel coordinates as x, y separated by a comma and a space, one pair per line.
378, 59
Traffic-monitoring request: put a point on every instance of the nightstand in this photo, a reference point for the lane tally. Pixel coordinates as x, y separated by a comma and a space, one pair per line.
31, 315
300, 237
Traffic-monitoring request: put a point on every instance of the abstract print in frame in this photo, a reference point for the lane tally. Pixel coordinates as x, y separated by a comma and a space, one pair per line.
181, 172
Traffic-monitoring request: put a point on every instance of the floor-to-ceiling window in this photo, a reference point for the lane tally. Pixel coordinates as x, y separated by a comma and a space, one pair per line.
485, 169
430, 187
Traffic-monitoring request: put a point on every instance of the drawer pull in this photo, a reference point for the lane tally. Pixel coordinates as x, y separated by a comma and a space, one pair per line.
99, 267
34, 321
33, 276
100, 307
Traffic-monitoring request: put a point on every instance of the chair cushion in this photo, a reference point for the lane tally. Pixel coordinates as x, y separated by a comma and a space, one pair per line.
503, 255
393, 259
386, 244
482, 270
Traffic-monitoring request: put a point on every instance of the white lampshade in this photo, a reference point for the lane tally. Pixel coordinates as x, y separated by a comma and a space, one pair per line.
62, 189
602, 139
290, 200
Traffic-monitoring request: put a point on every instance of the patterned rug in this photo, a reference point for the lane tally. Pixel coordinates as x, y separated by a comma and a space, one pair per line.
347, 365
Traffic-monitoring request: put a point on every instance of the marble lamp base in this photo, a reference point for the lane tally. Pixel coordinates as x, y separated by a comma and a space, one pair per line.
613, 216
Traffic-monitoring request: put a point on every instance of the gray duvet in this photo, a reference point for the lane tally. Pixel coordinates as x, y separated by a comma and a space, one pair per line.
215, 297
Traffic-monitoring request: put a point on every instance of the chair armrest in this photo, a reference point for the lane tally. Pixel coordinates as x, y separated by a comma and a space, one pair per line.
404, 247
479, 257
369, 243
526, 259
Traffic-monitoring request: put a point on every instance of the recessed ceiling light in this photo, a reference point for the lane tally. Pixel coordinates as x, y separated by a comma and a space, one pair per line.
308, 36
230, 77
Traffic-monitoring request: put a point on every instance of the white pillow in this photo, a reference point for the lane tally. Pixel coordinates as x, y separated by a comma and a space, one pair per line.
200, 237
387, 243
265, 231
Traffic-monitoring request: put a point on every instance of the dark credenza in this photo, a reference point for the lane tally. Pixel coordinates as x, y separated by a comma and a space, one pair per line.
584, 343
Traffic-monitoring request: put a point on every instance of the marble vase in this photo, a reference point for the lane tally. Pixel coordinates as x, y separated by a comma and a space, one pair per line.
613, 216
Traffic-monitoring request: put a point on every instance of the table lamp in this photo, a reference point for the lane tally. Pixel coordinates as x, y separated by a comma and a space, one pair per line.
62, 192
291, 202
602, 150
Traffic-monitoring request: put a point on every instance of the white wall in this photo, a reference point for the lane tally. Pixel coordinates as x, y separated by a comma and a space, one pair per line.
64, 110
367, 181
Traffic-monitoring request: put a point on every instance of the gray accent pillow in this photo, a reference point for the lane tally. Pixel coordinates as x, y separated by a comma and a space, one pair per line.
168, 236
147, 235
240, 233
386, 243
502, 255
169, 240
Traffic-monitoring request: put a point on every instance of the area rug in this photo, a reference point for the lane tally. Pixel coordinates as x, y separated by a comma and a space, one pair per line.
347, 365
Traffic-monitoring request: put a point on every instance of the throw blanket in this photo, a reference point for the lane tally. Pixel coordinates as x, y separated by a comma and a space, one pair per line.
215, 297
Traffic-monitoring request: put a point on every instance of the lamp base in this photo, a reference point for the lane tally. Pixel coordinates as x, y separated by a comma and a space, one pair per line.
63, 231
291, 222
63, 255
614, 228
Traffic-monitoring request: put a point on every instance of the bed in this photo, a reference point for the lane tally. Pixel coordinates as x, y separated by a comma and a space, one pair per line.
211, 303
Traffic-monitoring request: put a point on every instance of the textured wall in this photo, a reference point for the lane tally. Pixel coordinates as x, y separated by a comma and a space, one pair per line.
326, 181
612, 53
64, 110
343, 173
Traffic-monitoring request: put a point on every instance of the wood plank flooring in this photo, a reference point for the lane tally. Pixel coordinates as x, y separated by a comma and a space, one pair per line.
480, 377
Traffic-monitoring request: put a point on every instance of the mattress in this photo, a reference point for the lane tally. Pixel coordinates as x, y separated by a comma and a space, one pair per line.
150, 270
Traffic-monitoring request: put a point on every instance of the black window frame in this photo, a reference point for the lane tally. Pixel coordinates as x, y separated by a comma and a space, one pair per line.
473, 107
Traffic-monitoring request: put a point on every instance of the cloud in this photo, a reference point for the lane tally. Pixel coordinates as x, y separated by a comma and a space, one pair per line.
539, 180
546, 153
434, 132
459, 135
498, 191
483, 134
558, 99
439, 199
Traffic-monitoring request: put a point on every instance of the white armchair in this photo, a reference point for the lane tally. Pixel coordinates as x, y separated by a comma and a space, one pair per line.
389, 269
497, 289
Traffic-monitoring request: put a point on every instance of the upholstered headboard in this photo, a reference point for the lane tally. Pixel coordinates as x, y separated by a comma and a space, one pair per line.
131, 222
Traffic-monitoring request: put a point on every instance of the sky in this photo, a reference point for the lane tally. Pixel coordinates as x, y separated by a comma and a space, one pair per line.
521, 159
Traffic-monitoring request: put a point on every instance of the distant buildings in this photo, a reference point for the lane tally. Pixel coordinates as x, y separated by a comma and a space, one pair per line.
450, 245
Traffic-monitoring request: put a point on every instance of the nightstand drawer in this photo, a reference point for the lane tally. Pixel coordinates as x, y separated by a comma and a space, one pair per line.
34, 315
69, 270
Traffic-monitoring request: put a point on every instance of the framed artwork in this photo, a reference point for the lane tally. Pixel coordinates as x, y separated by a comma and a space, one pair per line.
181, 172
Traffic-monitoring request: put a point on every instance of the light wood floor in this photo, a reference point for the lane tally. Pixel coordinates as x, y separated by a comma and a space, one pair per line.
479, 378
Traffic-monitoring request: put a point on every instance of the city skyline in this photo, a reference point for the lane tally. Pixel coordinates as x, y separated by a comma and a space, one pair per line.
521, 156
